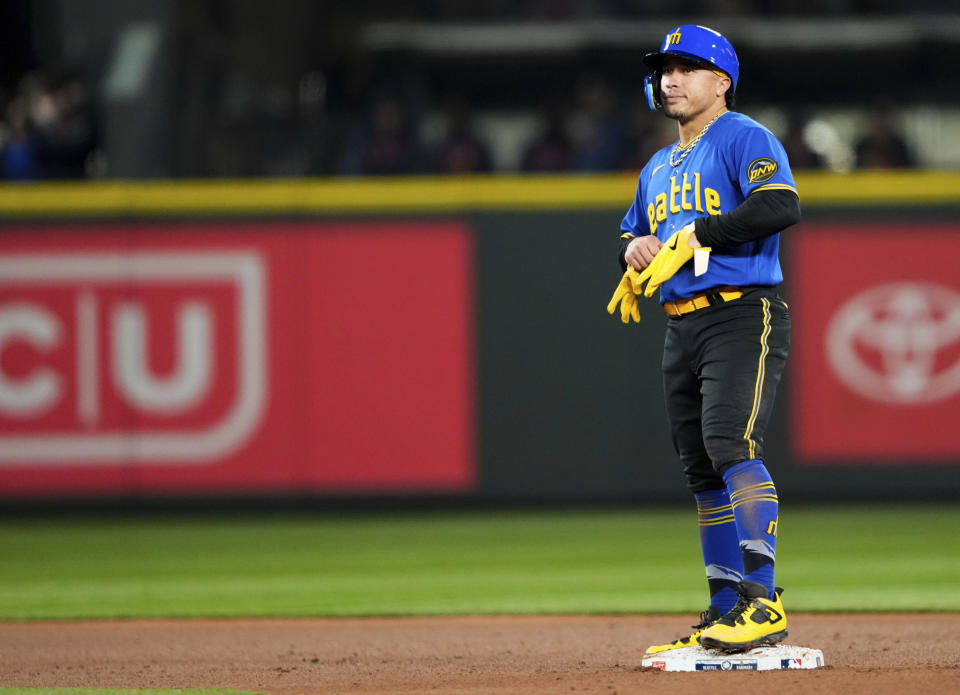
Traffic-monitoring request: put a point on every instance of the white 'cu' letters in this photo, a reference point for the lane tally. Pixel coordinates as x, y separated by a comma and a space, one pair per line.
41, 389
189, 382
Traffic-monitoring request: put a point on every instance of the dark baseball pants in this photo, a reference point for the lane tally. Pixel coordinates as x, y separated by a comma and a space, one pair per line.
721, 367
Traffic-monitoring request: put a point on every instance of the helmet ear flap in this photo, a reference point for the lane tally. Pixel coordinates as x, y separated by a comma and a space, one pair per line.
651, 88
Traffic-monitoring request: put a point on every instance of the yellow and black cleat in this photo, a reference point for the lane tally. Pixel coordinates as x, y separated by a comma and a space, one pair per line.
706, 618
756, 621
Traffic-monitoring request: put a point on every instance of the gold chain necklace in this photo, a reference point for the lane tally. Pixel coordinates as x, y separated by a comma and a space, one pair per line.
692, 143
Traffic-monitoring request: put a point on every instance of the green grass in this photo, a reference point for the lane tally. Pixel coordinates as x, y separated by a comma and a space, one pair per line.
860, 559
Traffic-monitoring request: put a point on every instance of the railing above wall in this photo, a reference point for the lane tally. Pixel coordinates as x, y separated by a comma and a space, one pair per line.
817, 34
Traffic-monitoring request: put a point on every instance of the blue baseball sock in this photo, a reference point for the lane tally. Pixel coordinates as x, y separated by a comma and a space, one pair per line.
755, 508
720, 545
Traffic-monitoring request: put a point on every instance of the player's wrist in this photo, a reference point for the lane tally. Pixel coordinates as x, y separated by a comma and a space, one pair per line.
701, 231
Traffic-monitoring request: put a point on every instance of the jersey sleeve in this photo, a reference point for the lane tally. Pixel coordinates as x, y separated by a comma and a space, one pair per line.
762, 163
635, 222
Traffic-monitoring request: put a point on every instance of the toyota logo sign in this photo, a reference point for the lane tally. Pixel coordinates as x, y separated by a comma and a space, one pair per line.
898, 343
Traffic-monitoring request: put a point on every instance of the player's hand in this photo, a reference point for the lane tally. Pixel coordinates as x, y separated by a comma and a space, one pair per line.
641, 251
626, 296
673, 255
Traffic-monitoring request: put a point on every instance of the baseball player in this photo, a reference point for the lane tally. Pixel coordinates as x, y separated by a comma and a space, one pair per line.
704, 229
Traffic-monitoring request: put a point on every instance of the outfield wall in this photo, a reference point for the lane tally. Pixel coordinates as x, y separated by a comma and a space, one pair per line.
444, 337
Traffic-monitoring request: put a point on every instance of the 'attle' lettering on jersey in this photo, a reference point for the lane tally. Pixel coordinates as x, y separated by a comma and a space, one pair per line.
677, 201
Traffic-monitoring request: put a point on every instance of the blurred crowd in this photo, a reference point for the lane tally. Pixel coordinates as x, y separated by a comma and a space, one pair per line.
242, 88
593, 134
600, 130
50, 130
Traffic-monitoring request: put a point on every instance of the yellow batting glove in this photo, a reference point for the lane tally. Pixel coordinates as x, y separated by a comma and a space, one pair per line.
672, 256
645, 275
626, 297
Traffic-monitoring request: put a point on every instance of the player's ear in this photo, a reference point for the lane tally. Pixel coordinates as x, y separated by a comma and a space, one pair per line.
723, 84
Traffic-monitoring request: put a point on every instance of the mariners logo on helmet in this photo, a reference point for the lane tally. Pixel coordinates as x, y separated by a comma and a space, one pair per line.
674, 38
761, 170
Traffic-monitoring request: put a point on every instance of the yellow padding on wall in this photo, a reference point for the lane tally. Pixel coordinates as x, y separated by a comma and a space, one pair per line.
332, 195
425, 194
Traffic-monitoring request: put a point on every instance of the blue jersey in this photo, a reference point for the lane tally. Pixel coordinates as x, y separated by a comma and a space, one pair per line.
735, 157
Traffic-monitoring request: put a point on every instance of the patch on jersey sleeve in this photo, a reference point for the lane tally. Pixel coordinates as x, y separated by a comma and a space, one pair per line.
761, 170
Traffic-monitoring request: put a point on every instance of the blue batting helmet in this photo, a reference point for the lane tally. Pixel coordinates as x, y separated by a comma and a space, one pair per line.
693, 42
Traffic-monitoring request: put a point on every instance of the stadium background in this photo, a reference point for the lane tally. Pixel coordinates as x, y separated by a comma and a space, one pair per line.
488, 151
428, 196
302, 314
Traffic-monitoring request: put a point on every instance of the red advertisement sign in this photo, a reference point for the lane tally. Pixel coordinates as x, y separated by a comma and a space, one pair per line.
215, 358
876, 343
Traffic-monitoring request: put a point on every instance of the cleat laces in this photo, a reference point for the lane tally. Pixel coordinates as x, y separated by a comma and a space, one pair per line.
735, 614
706, 618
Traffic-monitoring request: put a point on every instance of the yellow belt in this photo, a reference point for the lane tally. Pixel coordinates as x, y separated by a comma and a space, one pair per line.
700, 301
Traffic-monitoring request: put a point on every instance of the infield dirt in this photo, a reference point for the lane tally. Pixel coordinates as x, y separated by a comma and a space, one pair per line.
878, 654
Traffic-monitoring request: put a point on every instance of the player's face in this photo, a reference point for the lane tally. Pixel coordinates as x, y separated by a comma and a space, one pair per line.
688, 89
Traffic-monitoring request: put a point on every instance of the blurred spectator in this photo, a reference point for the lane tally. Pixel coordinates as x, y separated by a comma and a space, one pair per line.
53, 130
551, 150
18, 157
382, 144
602, 141
462, 152
69, 136
798, 151
882, 146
